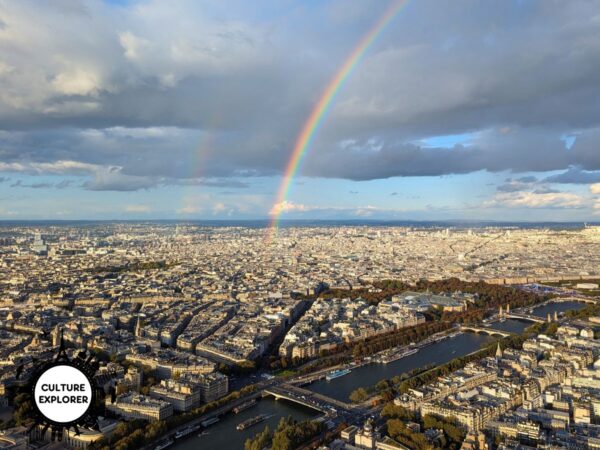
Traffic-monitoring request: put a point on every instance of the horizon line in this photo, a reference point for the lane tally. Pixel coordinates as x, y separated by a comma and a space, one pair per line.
360, 220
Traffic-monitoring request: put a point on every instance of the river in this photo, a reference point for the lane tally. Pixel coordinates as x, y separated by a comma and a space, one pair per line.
223, 435
511, 325
368, 375
518, 326
542, 311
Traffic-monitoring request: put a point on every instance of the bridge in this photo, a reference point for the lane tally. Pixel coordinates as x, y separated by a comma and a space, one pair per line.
490, 331
579, 298
519, 316
572, 298
308, 398
303, 380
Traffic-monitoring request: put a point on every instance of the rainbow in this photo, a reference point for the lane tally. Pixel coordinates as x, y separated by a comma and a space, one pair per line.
321, 108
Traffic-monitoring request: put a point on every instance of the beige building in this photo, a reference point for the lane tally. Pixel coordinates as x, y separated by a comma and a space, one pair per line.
135, 406
213, 386
367, 437
182, 395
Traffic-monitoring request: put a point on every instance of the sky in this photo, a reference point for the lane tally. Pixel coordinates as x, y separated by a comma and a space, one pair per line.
190, 109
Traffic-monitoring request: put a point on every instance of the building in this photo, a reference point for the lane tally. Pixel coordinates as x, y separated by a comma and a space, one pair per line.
367, 437
475, 441
39, 247
136, 406
82, 438
423, 301
469, 417
349, 433
132, 380
182, 395
213, 386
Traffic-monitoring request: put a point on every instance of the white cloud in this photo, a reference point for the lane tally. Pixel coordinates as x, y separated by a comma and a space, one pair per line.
61, 167
535, 200
7, 213
219, 208
113, 179
360, 211
595, 188
133, 45
137, 208
219, 205
190, 209
5, 68
101, 178
287, 206
77, 82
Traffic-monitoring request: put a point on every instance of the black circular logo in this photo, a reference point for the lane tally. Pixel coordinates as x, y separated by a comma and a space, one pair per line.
65, 394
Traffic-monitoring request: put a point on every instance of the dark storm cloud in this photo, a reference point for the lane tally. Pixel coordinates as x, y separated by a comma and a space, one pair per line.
586, 150
164, 95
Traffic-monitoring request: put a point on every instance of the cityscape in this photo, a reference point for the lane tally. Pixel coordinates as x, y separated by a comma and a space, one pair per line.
205, 335
299, 225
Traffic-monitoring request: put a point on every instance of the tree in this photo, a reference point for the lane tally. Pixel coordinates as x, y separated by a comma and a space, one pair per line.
23, 412
453, 433
359, 395
394, 411
401, 433
259, 442
382, 385
289, 435
155, 429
